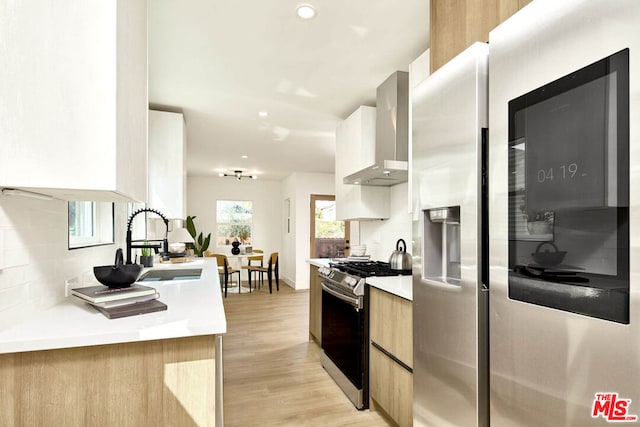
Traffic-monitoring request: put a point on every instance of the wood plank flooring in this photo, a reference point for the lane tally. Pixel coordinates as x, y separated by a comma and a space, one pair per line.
272, 373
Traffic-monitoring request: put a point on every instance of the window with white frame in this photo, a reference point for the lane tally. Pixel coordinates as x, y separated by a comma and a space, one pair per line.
90, 224
234, 221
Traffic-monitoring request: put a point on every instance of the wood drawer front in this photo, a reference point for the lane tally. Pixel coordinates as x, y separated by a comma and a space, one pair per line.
391, 387
391, 324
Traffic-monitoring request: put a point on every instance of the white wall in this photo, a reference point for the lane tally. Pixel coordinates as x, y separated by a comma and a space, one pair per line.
298, 188
381, 236
203, 192
289, 237
35, 260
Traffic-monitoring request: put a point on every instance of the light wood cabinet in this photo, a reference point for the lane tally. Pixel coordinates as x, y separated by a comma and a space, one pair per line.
315, 306
73, 120
167, 163
163, 382
391, 355
391, 388
456, 25
355, 150
391, 324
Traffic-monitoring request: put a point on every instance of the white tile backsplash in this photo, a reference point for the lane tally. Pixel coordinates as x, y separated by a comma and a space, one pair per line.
35, 260
13, 296
381, 236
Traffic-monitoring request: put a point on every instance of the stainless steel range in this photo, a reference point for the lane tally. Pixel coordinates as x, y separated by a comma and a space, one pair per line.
345, 325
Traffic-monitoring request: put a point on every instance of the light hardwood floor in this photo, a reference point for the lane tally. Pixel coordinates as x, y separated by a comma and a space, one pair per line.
272, 373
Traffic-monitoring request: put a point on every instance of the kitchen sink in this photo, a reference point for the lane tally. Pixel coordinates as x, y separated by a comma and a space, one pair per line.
162, 275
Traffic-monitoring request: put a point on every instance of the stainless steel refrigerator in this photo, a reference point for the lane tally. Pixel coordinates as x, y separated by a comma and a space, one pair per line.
564, 165
449, 299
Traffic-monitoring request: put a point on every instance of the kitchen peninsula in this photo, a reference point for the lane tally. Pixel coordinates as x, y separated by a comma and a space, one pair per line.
70, 365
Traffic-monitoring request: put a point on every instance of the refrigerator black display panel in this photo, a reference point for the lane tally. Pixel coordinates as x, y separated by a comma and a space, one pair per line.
569, 192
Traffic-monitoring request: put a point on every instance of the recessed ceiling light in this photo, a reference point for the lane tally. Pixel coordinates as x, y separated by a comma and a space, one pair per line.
245, 157
263, 114
220, 174
305, 11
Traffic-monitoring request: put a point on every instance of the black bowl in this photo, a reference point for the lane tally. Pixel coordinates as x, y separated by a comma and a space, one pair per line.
117, 276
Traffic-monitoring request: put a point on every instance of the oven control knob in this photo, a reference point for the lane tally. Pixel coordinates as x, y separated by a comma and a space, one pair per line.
350, 281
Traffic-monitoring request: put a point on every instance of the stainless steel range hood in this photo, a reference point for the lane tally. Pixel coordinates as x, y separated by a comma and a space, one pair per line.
392, 135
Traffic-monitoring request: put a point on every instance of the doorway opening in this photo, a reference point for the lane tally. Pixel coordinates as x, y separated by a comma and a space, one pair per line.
329, 237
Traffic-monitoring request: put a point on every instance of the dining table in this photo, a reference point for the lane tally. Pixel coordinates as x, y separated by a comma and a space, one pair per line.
236, 262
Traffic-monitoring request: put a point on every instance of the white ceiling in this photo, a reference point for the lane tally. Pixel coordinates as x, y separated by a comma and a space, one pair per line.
220, 62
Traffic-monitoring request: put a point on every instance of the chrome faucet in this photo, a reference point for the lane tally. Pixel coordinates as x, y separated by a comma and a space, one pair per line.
165, 254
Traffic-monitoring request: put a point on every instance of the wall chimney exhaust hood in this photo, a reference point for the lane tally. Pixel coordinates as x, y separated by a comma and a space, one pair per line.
392, 135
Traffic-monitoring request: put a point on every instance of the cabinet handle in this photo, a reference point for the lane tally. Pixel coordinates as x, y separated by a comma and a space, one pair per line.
391, 356
355, 302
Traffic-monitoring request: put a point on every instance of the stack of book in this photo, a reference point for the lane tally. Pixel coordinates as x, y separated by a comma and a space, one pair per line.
121, 302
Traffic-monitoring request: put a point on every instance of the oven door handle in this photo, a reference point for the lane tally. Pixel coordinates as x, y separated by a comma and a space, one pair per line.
351, 300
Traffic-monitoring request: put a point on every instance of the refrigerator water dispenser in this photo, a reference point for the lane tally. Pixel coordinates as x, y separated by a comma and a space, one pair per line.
442, 245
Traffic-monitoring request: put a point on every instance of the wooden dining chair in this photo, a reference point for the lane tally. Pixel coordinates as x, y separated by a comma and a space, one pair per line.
271, 269
255, 261
225, 271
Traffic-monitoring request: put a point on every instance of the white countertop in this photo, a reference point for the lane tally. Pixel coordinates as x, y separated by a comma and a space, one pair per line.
401, 286
319, 262
194, 308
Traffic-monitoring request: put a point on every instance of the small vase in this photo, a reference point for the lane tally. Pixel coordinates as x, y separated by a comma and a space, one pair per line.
539, 227
235, 250
146, 260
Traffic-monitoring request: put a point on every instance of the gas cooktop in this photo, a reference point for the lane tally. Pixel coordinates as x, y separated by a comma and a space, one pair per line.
368, 269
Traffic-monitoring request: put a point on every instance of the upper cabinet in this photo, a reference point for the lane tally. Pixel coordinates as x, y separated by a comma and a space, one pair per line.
167, 167
73, 116
355, 150
457, 25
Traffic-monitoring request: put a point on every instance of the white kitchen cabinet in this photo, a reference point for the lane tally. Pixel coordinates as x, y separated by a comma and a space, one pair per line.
73, 84
167, 167
355, 150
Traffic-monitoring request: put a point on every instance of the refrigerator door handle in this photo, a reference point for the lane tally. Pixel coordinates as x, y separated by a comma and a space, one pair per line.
484, 209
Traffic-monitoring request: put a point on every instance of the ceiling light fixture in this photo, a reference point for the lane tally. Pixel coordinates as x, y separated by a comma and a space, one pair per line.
263, 114
306, 11
245, 156
237, 174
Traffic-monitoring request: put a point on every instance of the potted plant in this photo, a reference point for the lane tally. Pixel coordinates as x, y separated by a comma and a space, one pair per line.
539, 223
146, 256
200, 243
